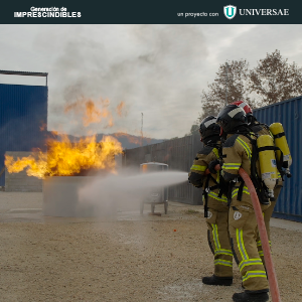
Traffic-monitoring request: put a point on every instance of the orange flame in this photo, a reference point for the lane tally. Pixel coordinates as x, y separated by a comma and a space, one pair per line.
94, 111
91, 113
43, 126
119, 108
67, 158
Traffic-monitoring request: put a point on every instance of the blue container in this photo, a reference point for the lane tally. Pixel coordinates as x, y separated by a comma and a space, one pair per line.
289, 114
23, 111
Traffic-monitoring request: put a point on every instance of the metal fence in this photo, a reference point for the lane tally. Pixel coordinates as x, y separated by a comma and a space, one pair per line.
178, 154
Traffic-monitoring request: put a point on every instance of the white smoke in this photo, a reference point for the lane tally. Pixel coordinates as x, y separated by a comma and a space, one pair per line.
108, 194
159, 66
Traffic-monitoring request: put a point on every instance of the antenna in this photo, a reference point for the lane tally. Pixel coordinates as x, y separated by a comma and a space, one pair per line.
226, 86
142, 129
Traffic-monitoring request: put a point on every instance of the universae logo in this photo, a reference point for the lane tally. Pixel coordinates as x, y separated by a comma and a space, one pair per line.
230, 11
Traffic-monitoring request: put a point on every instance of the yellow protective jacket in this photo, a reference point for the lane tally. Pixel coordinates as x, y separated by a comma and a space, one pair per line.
197, 172
237, 153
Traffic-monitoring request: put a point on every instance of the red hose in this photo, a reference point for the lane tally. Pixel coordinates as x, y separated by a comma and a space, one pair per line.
272, 278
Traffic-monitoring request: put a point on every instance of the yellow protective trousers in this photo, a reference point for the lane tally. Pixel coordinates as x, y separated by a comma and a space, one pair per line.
267, 215
243, 230
218, 235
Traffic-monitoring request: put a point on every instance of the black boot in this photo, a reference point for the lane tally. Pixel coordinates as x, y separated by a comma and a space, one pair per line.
214, 280
249, 296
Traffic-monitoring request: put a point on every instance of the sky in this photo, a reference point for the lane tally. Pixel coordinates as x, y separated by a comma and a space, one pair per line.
157, 70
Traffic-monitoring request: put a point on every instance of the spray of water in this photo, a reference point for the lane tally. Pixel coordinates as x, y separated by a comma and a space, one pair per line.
107, 194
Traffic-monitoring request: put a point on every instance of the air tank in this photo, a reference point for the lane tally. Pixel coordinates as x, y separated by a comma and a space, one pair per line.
281, 142
268, 166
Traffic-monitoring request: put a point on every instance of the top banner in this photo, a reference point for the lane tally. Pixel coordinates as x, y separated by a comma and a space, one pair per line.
147, 12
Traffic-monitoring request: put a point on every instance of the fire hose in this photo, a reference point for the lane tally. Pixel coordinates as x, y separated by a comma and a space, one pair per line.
272, 278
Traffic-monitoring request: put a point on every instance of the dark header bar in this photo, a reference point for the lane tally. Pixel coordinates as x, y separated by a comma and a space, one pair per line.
151, 12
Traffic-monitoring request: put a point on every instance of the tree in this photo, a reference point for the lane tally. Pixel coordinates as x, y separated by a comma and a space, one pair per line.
274, 80
194, 129
229, 85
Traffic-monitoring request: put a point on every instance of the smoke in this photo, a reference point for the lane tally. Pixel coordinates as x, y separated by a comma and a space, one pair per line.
154, 69
108, 194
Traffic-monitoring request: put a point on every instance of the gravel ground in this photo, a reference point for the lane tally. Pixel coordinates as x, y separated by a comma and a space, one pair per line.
125, 258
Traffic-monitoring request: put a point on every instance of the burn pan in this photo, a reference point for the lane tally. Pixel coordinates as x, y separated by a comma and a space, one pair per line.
60, 197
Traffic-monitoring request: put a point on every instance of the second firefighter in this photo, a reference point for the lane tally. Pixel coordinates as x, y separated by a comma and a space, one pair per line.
215, 203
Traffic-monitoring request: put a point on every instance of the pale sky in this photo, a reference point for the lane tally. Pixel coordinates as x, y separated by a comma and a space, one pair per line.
157, 70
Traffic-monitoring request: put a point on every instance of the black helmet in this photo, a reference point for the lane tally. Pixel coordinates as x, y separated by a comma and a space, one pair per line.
231, 117
208, 127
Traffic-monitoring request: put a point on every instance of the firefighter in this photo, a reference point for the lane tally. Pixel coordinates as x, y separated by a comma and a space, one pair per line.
237, 153
262, 129
215, 203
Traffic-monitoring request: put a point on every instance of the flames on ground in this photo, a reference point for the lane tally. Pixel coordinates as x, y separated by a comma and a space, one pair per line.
66, 158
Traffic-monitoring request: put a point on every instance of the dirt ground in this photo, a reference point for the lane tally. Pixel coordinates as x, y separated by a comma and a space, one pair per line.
126, 258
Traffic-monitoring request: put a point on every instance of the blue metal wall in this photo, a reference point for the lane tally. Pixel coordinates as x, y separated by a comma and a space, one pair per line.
289, 114
23, 110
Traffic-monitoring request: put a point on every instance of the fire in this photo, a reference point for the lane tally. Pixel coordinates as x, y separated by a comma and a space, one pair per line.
94, 111
43, 126
65, 158
119, 108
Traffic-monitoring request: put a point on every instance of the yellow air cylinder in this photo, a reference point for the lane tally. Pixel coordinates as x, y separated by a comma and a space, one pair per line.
281, 142
268, 166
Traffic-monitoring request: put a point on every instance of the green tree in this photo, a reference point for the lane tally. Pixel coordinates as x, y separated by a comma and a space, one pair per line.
194, 129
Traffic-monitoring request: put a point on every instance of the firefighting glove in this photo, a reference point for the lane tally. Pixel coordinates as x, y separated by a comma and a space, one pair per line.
198, 185
196, 180
212, 165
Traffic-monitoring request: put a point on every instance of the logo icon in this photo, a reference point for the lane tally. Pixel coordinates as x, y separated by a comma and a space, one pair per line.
237, 215
230, 11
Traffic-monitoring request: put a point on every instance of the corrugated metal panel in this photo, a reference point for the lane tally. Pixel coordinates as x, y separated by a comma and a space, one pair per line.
179, 155
23, 111
289, 114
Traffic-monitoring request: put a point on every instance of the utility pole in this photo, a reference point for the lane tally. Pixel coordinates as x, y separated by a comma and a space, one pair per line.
227, 83
142, 129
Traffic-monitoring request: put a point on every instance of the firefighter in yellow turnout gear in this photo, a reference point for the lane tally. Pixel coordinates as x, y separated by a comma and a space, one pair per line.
262, 129
243, 228
216, 208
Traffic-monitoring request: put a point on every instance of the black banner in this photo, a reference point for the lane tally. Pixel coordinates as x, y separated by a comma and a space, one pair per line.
151, 12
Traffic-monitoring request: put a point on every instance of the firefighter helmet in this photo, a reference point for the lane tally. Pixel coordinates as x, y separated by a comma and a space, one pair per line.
246, 107
208, 127
231, 117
